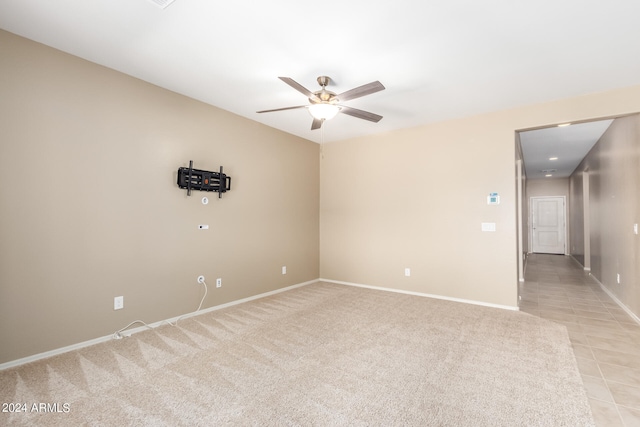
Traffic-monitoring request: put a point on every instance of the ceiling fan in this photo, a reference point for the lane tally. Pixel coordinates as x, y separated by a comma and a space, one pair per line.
324, 104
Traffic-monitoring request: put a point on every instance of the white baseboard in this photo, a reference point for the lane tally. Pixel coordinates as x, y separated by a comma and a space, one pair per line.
129, 332
617, 301
420, 294
587, 269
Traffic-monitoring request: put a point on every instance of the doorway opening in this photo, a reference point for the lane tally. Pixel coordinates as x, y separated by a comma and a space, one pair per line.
545, 159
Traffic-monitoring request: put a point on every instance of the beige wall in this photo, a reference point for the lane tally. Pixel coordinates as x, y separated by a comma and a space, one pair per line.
416, 198
548, 188
90, 209
614, 191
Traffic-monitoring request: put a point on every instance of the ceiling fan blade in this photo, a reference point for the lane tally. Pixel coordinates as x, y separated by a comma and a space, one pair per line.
282, 109
297, 86
316, 124
359, 91
360, 114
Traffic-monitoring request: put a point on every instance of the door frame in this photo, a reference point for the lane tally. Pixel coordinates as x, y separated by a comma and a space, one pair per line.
564, 221
586, 204
520, 189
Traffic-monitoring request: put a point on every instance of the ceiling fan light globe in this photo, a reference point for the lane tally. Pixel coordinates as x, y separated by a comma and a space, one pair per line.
324, 111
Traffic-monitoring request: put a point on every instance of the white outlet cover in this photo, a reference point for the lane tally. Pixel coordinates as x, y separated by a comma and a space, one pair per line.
407, 272
284, 269
118, 303
205, 200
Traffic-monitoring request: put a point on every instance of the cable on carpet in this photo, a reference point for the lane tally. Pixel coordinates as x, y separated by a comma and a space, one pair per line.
118, 334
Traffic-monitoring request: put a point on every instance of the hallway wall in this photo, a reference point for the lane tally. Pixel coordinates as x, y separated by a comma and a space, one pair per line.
614, 183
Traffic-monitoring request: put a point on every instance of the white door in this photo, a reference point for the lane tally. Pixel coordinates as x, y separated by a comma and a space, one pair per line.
547, 225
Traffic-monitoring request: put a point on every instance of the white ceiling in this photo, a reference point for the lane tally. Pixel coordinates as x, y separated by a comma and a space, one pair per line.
438, 59
569, 144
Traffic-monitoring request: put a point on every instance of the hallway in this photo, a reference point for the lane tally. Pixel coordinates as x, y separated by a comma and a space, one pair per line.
605, 339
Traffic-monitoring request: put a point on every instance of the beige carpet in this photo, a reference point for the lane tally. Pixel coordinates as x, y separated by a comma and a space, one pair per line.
321, 355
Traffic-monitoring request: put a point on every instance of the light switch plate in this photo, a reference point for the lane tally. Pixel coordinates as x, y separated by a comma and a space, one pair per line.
488, 226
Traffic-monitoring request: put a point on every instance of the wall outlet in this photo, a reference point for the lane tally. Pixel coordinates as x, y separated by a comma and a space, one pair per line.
200, 279
407, 272
284, 269
218, 282
118, 303
635, 228
618, 278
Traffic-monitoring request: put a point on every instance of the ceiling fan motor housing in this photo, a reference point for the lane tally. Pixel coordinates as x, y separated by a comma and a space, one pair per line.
324, 81
324, 96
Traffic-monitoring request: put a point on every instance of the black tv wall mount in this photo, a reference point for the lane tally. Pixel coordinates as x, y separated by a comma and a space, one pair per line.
196, 179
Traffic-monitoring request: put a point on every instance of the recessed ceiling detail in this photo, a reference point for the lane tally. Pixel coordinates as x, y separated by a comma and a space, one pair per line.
568, 145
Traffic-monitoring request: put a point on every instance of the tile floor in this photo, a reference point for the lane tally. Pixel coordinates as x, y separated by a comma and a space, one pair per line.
605, 339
